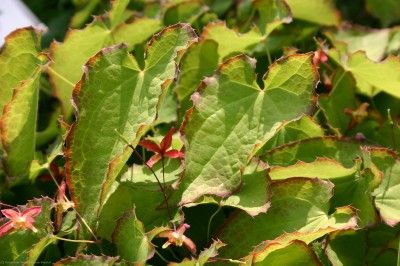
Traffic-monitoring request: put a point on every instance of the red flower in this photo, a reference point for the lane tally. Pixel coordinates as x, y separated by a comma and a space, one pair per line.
177, 238
19, 220
162, 149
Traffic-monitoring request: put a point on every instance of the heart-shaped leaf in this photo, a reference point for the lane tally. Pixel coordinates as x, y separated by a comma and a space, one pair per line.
216, 152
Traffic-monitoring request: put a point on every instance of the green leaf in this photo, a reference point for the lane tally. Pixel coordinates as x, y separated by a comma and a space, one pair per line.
347, 247
352, 184
18, 61
87, 260
215, 151
373, 42
371, 77
200, 60
130, 239
387, 13
277, 254
297, 204
387, 194
18, 245
204, 256
312, 12
254, 194
341, 97
79, 45
309, 150
229, 41
186, 11
138, 187
322, 168
18, 127
272, 14
303, 128
95, 154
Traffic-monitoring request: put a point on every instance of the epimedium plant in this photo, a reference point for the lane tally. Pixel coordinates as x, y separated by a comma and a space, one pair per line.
152, 135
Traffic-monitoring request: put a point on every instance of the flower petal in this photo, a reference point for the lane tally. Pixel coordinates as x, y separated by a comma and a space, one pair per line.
189, 244
167, 140
174, 154
10, 214
31, 212
6, 228
150, 146
153, 159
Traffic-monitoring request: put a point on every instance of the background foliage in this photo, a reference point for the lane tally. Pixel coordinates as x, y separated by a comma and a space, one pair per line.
286, 113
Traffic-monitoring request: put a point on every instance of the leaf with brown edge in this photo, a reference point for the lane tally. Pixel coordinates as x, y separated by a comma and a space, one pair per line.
18, 61
387, 194
231, 114
297, 205
115, 93
277, 254
18, 126
80, 45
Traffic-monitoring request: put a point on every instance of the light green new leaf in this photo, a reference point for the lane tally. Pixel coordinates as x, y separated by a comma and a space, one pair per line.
18, 61
297, 204
115, 93
79, 45
312, 11
373, 42
322, 168
387, 195
347, 248
229, 41
18, 127
87, 260
306, 237
231, 114
17, 245
371, 77
130, 239
278, 254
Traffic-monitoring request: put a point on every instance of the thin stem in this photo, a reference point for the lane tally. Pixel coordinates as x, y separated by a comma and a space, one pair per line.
248, 21
4, 204
163, 172
76, 211
161, 257
392, 129
339, 80
268, 52
210, 221
72, 240
61, 77
152, 171
398, 254
87, 226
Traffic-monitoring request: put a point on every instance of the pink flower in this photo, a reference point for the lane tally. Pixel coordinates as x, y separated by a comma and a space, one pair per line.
19, 220
162, 149
177, 238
